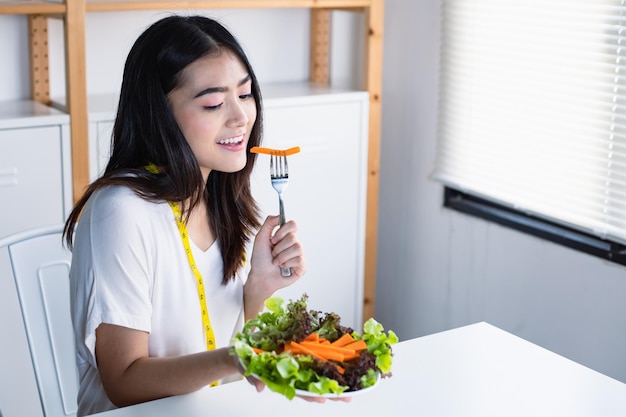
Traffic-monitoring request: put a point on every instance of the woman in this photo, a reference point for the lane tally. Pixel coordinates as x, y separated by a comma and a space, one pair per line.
146, 325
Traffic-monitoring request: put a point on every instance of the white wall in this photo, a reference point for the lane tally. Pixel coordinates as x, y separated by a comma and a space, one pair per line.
438, 269
14, 78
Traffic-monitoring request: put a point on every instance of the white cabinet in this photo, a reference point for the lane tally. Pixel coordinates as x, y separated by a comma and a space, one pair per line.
101, 118
327, 184
326, 191
35, 172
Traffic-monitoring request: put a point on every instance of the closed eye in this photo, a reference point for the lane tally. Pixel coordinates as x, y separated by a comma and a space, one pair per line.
217, 106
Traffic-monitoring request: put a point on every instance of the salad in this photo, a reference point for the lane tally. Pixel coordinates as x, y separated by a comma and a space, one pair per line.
291, 348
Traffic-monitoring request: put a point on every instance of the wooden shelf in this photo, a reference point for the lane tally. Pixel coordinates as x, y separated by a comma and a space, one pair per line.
31, 7
74, 13
123, 5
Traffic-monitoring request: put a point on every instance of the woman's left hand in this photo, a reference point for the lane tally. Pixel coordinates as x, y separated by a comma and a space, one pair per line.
274, 247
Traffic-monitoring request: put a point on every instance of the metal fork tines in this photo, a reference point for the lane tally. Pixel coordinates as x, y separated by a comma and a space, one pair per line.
279, 174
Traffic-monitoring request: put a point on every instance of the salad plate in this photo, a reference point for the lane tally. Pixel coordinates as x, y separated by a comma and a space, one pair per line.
301, 352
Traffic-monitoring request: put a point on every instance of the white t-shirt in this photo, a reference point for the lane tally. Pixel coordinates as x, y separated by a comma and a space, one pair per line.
129, 268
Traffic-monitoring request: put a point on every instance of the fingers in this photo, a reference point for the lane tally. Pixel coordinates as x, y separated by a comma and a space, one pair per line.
318, 399
286, 249
290, 227
312, 399
276, 246
267, 228
258, 384
342, 399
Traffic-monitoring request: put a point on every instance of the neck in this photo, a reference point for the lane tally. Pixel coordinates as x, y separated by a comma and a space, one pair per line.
199, 228
205, 173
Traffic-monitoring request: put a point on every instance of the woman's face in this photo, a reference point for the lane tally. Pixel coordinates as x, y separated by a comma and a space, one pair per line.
215, 110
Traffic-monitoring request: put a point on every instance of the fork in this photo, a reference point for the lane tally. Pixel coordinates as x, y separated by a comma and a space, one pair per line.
279, 174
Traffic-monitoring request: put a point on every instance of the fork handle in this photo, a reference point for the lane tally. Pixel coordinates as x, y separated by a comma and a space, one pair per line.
285, 272
281, 211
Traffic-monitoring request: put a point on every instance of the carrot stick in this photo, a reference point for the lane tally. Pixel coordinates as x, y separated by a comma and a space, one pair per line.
343, 340
277, 152
327, 348
316, 349
257, 350
351, 357
358, 345
326, 351
313, 337
322, 349
307, 351
293, 349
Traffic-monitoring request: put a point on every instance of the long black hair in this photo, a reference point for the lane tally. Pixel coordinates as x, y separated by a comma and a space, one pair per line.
145, 131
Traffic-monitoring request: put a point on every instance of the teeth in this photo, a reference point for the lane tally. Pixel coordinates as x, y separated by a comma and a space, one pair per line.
230, 141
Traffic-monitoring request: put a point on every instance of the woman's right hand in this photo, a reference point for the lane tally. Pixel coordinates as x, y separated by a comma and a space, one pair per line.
274, 247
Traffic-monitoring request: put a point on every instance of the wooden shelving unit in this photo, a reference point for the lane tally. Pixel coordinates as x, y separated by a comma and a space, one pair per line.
73, 14
31, 7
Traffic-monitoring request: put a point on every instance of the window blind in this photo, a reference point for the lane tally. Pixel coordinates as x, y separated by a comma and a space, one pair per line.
532, 108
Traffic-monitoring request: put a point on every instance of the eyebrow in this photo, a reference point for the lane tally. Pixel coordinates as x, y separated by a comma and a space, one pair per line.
211, 90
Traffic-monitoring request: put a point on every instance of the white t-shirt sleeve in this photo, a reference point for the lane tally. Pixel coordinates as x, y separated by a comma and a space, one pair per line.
116, 267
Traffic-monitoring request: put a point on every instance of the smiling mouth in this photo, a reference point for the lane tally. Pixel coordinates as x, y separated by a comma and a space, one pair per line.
231, 141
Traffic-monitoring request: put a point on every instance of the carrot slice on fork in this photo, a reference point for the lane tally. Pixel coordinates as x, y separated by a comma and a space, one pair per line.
276, 152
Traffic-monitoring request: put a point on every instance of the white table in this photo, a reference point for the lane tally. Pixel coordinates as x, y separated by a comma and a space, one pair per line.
477, 370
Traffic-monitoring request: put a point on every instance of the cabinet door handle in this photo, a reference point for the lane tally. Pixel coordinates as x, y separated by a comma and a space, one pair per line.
8, 177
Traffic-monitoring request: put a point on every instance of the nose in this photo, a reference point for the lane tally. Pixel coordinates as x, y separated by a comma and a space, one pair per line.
237, 116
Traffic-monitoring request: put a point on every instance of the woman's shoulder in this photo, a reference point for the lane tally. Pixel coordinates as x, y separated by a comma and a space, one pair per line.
115, 193
115, 218
121, 194
118, 201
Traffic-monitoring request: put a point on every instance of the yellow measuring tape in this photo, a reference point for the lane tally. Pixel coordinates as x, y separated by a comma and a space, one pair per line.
184, 236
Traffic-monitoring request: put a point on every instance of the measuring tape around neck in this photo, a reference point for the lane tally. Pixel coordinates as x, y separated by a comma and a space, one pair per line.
184, 236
